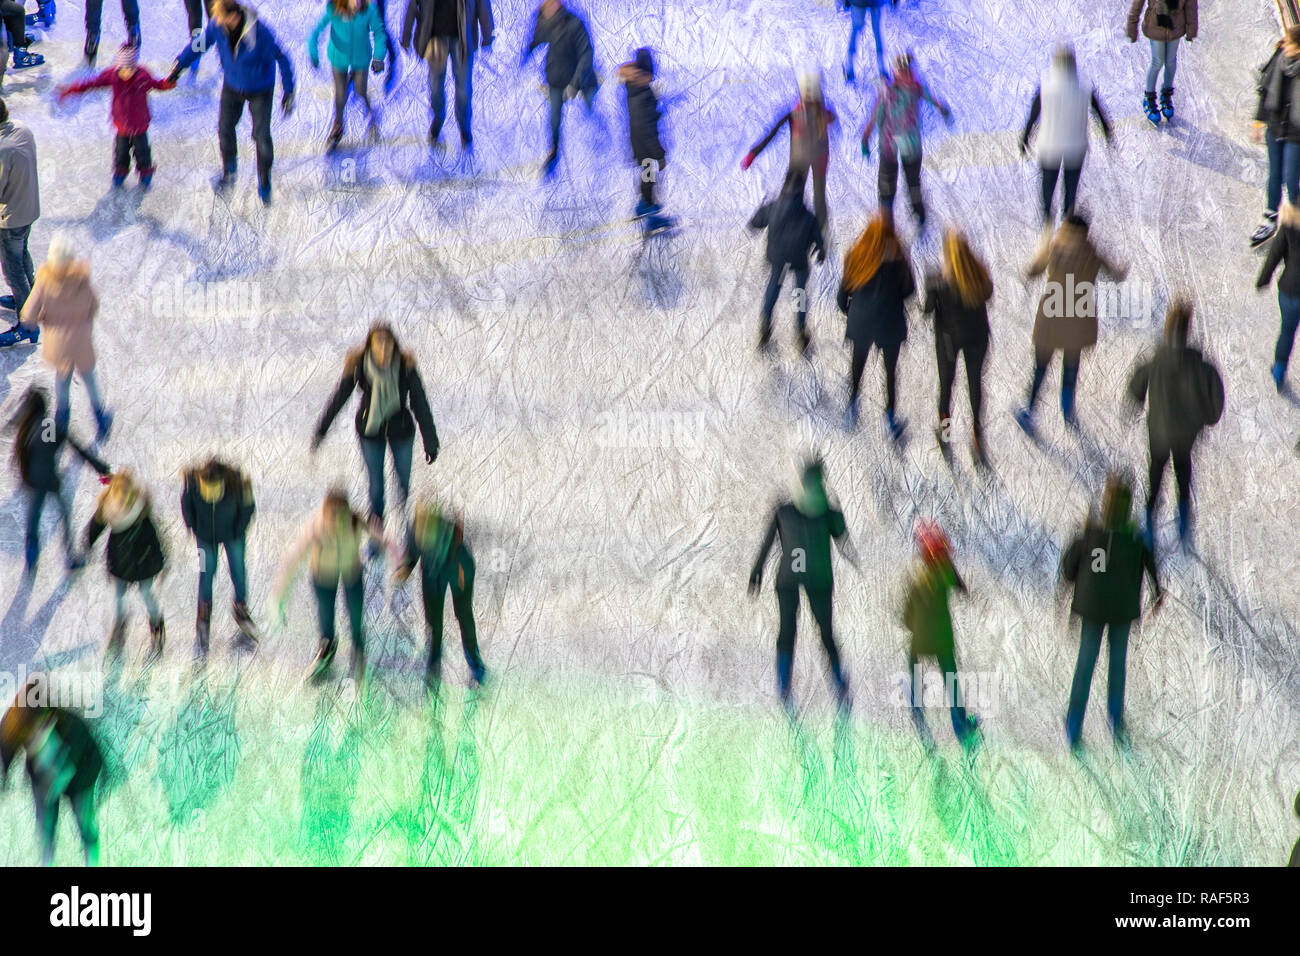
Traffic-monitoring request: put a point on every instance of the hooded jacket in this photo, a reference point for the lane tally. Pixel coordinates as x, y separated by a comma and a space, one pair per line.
642, 109
805, 546
350, 46
411, 398
877, 313
129, 110
135, 552
1183, 394
1061, 103
569, 57
1067, 310
64, 308
792, 231
223, 520
474, 18
1106, 566
20, 193
249, 63
60, 747
1165, 20
1279, 104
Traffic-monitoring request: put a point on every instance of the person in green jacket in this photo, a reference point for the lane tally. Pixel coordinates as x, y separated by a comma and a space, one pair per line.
351, 23
927, 616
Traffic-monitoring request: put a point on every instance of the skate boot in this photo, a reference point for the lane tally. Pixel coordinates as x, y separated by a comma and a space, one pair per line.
91, 49
895, 426
333, 139
264, 193
551, 161
32, 555
1167, 102
850, 421
1119, 733
765, 336
119, 179
1279, 374
1025, 419
805, 342
24, 59
477, 675
16, 335
103, 424
146, 179
157, 637
42, 17
75, 562
248, 636
1149, 107
945, 448
643, 209
225, 180
848, 73
324, 657
358, 669
1185, 523
116, 640
433, 677
1266, 231
202, 628
133, 37
977, 452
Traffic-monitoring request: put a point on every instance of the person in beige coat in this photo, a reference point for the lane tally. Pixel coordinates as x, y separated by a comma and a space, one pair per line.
1066, 321
63, 305
1164, 23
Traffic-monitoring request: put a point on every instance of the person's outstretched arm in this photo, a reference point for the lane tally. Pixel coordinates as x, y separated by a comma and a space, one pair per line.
756, 575
1035, 111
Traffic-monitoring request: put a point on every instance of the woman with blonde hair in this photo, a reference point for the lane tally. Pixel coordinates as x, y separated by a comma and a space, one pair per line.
873, 296
958, 300
63, 304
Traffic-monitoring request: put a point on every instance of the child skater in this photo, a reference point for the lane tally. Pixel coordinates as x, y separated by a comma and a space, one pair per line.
809, 123
131, 85
643, 132
352, 24
792, 233
135, 555
436, 541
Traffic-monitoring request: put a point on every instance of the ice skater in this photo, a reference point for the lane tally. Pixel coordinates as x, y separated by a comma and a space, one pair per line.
95, 15
63, 762
131, 85
648, 151
20, 207
1183, 393
1166, 23
452, 30
806, 526
352, 25
14, 36
570, 70
958, 299
436, 542
792, 234
217, 506
1284, 251
1277, 125
874, 292
1105, 563
859, 10
809, 122
194, 13
135, 556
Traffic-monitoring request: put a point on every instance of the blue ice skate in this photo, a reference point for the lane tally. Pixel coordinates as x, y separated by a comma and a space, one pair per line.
42, 17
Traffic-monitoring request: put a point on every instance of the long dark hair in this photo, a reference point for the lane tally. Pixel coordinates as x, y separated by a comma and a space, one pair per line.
32, 411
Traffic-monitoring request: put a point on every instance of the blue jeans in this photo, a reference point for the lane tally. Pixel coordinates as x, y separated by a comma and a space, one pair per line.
1164, 56
16, 263
1069, 378
857, 20
462, 71
1283, 167
210, 558
353, 595
35, 505
557, 108
372, 450
1089, 648
63, 397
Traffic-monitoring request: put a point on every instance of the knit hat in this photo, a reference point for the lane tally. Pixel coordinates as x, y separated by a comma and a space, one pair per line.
127, 57
931, 543
810, 86
61, 250
643, 61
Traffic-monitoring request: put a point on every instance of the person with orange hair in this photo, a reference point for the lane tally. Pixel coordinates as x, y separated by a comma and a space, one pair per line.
873, 296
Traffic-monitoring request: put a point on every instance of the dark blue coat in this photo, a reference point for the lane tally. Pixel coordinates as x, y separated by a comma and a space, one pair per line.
877, 313
250, 64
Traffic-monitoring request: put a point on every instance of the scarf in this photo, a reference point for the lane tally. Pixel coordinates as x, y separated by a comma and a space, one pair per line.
1165, 10
385, 396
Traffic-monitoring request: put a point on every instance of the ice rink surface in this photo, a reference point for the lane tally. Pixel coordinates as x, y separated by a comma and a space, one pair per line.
616, 443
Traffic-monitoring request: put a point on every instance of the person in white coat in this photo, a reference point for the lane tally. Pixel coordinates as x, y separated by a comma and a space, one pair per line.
1060, 110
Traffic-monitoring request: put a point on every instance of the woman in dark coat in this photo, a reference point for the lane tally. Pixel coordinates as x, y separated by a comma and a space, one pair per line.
1277, 124
391, 390
873, 296
135, 554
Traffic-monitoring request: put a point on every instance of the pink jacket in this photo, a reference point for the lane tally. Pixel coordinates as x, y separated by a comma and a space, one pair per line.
65, 311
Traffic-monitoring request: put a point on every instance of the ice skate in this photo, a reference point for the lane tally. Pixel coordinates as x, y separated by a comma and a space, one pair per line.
1149, 107
116, 640
895, 427
17, 335
804, 342
324, 658
1025, 419
157, 638
103, 425
1266, 231
1279, 375
1167, 103
202, 627
358, 668
248, 635
91, 49
945, 448
850, 419
24, 59
43, 16
333, 139
264, 193
978, 456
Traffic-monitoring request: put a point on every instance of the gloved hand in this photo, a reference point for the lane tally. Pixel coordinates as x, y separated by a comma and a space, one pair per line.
747, 161
755, 581
821, 255
286, 104
376, 67
430, 454
866, 150
105, 479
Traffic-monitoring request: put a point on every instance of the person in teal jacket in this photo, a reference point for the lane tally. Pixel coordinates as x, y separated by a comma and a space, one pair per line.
351, 23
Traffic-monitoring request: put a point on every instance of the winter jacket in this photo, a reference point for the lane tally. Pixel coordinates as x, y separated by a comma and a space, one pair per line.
350, 47
1183, 394
956, 325
643, 119
1279, 104
221, 521
897, 114
135, 552
20, 194
333, 553
805, 547
38, 451
444, 560
809, 135
568, 53
1181, 20
473, 16
249, 63
1061, 103
1284, 250
1067, 311
1106, 568
411, 398
65, 311
792, 230
129, 111
877, 313
925, 609
60, 748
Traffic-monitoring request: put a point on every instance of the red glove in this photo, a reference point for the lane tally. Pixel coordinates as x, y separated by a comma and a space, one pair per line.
167, 85
747, 161
64, 93
105, 479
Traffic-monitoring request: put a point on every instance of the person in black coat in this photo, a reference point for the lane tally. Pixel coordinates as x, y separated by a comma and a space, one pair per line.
792, 233
36, 452
643, 133
1106, 563
806, 527
1277, 125
217, 506
391, 390
455, 29
135, 555
958, 300
1183, 394
569, 65
873, 295
1284, 251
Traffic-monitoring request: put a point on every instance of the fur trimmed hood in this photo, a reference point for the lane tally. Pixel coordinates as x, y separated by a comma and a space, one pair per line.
1289, 215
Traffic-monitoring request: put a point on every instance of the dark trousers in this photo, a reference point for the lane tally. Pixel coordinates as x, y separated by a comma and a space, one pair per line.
16, 263
456, 575
859, 365
1289, 307
887, 184
232, 110
35, 507
47, 790
1089, 648
819, 602
95, 12
557, 111
462, 71
946, 351
14, 15
647, 178
1069, 377
956, 706
1182, 458
327, 597
799, 293
372, 451
1283, 170
210, 558
343, 80
194, 10
124, 146
1070, 186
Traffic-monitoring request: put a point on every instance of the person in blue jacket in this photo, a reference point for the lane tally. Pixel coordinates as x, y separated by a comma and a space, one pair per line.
351, 23
249, 56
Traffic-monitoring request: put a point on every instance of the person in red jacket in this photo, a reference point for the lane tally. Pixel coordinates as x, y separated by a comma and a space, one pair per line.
131, 85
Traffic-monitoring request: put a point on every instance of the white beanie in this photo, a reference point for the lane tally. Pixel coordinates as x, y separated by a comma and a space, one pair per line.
810, 85
61, 250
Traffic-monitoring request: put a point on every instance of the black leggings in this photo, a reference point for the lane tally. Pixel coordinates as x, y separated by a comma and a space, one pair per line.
194, 10
456, 576
975, 353
1182, 458
819, 602
890, 355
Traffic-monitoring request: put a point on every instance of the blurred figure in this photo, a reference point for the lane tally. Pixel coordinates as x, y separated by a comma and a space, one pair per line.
1295, 850
217, 507
63, 761
1062, 102
94, 17
1066, 321
648, 152
135, 555
806, 526
928, 619
570, 69
20, 207
1284, 251
194, 12
858, 12
958, 299
1166, 22
36, 451
792, 232
873, 296
809, 123
1105, 564
897, 114
436, 542
14, 34
449, 29
352, 24
1277, 124
1183, 394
